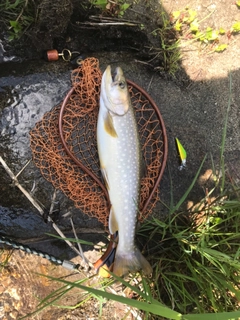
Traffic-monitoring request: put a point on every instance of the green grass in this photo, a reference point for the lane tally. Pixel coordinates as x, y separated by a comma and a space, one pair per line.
197, 265
18, 15
169, 51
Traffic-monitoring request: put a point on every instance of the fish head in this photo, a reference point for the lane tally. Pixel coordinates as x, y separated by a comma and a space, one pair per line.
114, 91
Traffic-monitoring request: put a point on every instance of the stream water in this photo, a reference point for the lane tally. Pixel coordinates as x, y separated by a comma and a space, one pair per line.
27, 91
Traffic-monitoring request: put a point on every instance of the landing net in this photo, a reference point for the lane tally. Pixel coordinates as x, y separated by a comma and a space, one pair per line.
64, 145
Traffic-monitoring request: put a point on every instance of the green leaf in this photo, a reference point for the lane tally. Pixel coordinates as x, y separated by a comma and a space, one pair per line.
213, 316
221, 47
236, 27
200, 36
222, 31
194, 26
192, 15
176, 14
16, 26
13, 23
125, 6
71, 239
211, 34
100, 3
238, 4
178, 25
215, 220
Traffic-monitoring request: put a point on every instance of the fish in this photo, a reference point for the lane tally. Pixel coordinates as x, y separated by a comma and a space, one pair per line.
120, 162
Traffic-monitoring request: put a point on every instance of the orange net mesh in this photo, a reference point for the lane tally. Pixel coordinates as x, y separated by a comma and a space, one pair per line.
64, 147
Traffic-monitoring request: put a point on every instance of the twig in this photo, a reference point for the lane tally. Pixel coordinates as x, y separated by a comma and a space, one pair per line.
52, 202
79, 245
20, 14
88, 23
35, 204
143, 62
33, 187
17, 184
150, 83
23, 168
111, 19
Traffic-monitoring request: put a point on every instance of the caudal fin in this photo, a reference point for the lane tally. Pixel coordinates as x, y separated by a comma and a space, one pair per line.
130, 262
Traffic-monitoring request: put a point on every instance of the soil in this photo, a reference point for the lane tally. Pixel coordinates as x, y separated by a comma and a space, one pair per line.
193, 105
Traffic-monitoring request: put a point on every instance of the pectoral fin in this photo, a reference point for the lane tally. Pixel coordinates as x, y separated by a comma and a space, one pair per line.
112, 223
105, 177
109, 126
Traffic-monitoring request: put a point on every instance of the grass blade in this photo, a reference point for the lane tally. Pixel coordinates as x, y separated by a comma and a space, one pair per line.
184, 197
213, 316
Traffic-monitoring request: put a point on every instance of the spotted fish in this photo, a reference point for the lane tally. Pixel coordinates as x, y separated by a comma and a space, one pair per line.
120, 161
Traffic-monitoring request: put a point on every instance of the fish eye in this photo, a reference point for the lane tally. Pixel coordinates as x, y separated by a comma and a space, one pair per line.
122, 84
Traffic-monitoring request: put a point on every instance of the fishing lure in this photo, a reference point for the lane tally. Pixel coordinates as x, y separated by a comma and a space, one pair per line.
182, 153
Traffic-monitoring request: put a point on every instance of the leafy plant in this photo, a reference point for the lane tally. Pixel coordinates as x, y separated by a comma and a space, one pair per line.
17, 29
235, 27
168, 52
100, 3
123, 8
186, 23
19, 15
220, 47
116, 8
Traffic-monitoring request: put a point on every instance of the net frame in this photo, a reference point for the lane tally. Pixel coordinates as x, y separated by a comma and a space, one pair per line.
91, 174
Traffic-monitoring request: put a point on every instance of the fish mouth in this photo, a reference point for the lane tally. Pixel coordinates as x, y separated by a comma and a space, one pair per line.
117, 76
114, 78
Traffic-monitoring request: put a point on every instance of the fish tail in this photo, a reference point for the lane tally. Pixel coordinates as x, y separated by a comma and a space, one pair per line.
133, 261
